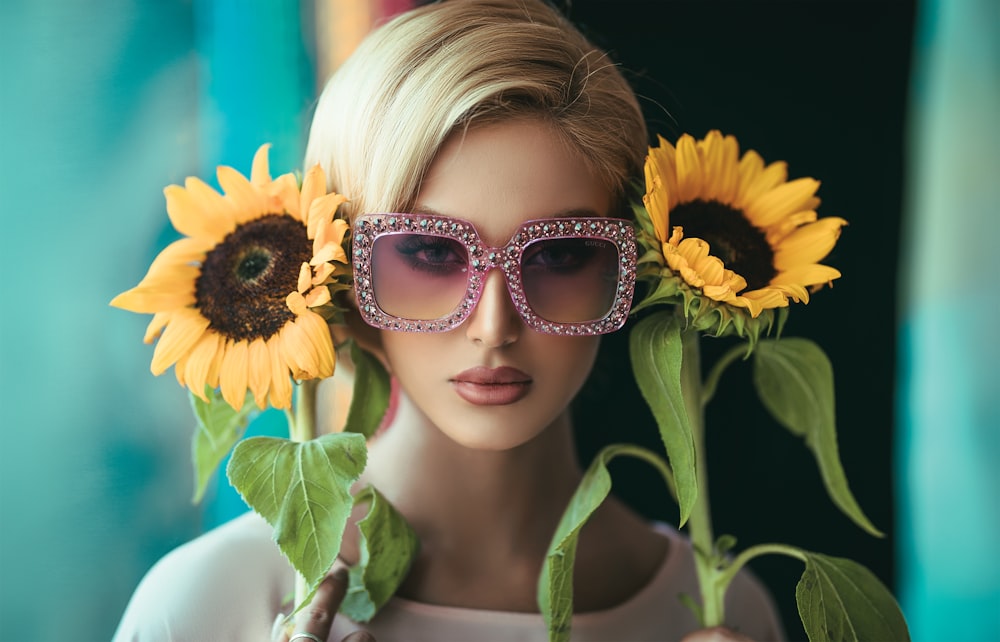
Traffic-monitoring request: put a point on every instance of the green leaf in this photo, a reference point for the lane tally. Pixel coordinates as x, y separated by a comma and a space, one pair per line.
555, 585
371, 393
656, 350
302, 489
794, 379
219, 428
387, 548
840, 600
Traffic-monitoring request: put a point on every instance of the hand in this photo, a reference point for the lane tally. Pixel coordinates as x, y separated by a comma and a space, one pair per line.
716, 634
314, 621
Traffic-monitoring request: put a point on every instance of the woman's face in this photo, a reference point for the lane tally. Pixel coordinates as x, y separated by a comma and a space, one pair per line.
493, 383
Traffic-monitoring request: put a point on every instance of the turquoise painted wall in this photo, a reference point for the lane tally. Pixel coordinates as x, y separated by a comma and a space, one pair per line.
101, 105
949, 445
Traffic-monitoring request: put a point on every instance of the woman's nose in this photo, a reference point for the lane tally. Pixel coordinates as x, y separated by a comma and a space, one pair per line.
494, 322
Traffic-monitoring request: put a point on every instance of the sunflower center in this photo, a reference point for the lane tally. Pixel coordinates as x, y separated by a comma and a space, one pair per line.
244, 279
256, 262
742, 247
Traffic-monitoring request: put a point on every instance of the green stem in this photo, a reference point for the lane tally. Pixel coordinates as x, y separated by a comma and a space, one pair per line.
712, 380
301, 428
302, 419
723, 579
651, 458
700, 521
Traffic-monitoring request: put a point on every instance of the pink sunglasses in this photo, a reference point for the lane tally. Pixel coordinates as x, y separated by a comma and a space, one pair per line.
423, 273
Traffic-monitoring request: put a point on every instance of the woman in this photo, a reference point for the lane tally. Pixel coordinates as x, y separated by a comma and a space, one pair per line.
486, 115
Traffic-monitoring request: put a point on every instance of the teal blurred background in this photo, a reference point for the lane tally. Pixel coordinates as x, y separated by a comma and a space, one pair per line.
895, 109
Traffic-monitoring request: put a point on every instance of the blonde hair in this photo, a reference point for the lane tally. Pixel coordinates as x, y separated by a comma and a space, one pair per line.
445, 67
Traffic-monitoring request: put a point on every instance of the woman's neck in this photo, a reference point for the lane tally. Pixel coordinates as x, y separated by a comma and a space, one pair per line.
446, 489
478, 513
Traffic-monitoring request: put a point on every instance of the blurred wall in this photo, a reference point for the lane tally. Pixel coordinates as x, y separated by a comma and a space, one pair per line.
949, 479
103, 104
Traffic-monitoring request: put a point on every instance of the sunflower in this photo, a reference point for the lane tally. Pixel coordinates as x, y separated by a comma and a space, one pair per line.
733, 230
238, 304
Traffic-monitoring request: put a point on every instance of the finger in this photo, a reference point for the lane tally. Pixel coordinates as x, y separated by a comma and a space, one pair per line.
315, 621
359, 636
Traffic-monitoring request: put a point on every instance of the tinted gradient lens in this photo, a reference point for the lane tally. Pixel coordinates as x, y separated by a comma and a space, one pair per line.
570, 280
419, 276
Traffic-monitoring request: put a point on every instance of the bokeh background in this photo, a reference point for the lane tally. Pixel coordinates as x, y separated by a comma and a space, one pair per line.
893, 105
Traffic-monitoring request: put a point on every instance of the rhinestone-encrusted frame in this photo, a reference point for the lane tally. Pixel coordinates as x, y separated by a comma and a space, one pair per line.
483, 258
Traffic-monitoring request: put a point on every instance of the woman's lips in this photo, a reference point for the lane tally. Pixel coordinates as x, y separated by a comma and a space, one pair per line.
491, 386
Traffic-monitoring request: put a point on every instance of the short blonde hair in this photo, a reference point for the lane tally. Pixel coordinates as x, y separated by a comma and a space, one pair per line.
445, 67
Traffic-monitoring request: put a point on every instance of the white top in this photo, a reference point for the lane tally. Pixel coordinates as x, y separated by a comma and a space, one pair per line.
230, 583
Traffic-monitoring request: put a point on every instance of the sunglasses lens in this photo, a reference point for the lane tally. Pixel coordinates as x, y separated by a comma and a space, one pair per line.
570, 280
419, 276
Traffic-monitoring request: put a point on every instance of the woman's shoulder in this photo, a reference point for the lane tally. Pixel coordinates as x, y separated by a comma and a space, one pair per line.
227, 584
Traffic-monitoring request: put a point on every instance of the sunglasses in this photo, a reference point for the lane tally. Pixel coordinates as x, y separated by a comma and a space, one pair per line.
424, 273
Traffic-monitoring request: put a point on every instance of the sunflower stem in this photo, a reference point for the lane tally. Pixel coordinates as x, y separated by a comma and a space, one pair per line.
302, 420
302, 427
700, 521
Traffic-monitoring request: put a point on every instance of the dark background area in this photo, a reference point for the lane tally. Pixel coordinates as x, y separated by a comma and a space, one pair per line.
823, 86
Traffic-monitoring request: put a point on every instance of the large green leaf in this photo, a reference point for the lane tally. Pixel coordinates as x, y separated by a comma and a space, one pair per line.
794, 379
303, 490
219, 428
555, 584
387, 548
656, 349
371, 393
841, 601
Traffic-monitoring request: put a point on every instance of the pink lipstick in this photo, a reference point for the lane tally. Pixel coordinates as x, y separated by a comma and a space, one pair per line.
491, 386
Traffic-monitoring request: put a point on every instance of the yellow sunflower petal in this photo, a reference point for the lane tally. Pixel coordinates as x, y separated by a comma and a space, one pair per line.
318, 332
784, 200
327, 253
234, 374
693, 250
749, 168
807, 275
321, 213
793, 290
192, 215
305, 278
211, 201
768, 297
658, 166
158, 296
322, 273
199, 362
691, 276
317, 297
156, 325
808, 244
778, 231
284, 195
280, 395
770, 177
260, 371
313, 186
690, 176
260, 173
248, 203
297, 353
180, 335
